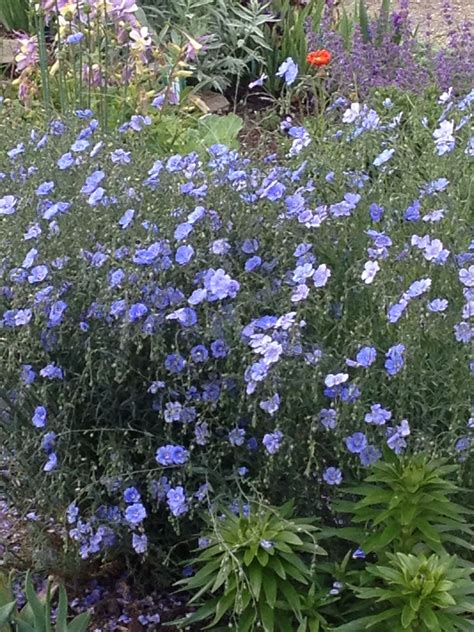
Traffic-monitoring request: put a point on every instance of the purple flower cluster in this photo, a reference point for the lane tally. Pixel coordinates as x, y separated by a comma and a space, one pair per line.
396, 57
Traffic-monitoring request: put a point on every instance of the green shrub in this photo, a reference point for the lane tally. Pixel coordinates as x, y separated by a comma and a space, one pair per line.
417, 594
36, 616
405, 506
14, 15
232, 34
252, 568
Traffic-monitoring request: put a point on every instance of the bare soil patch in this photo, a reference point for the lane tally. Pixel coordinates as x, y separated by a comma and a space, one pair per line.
461, 11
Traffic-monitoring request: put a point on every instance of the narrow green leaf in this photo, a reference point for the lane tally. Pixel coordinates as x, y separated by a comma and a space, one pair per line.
267, 616
247, 620
270, 588
79, 623
6, 612
35, 604
255, 578
224, 604
408, 615
430, 619
290, 538
364, 22
249, 555
291, 597
428, 531
275, 564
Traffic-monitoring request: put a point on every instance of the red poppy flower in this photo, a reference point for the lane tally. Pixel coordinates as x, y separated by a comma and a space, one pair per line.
320, 57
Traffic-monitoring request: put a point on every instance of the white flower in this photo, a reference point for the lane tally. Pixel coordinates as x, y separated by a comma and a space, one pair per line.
370, 270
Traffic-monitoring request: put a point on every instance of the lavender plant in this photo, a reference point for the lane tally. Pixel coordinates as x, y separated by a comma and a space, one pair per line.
186, 328
388, 52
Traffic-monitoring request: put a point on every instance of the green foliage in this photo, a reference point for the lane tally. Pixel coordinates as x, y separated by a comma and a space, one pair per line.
175, 132
232, 34
255, 570
372, 31
405, 506
36, 615
14, 15
364, 22
287, 37
417, 594
214, 129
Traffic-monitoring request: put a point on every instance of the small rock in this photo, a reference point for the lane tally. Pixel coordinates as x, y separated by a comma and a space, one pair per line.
210, 102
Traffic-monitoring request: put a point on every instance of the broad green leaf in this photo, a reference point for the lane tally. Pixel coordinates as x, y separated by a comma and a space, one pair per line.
24, 626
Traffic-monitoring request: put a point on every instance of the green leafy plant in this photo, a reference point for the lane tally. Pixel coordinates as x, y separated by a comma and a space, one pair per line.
254, 570
405, 505
14, 15
232, 35
417, 594
36, 615
287, 36
214, 129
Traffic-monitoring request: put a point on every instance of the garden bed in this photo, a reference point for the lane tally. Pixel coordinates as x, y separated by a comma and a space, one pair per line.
237, 349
